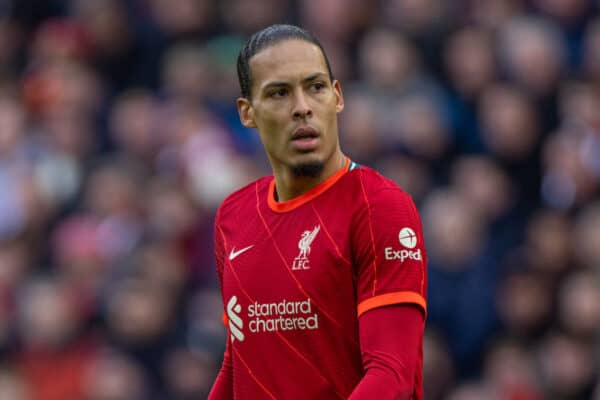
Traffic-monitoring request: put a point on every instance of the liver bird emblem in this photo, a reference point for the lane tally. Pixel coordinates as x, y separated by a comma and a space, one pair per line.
305, 241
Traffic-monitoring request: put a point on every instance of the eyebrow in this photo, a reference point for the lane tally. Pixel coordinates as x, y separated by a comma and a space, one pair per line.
314, 76
309, 78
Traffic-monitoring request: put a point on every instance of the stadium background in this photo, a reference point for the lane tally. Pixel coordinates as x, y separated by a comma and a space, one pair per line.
119, 138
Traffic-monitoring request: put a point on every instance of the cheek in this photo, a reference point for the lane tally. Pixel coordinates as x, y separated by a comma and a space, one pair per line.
271, 136
272, 127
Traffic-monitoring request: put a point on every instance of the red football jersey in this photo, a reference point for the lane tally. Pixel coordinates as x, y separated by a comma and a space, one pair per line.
297, 275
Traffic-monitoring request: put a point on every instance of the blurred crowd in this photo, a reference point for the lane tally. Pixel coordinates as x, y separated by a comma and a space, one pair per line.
119, 137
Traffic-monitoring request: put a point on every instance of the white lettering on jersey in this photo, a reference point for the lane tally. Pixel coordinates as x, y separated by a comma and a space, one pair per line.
408, 239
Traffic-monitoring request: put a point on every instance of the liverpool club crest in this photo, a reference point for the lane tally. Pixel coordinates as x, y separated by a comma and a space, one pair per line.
301, 261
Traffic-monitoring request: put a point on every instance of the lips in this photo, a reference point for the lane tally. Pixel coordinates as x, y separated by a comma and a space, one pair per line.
305, 132
305, 139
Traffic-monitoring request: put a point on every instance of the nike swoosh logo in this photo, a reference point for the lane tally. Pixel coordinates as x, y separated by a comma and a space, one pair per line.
235, 253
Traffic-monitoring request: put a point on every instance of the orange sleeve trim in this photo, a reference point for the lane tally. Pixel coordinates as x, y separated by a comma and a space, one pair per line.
296, 202
225, 320
392, 298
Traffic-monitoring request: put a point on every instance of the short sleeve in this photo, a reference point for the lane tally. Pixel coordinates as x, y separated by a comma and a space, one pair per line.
389, 251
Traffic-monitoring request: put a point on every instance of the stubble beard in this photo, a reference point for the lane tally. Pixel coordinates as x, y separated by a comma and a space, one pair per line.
310, 169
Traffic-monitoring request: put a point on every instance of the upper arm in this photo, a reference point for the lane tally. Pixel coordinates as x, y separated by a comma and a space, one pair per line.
389, 251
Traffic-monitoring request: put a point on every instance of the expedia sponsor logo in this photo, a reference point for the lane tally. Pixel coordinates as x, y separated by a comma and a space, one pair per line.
408, 239
391, 254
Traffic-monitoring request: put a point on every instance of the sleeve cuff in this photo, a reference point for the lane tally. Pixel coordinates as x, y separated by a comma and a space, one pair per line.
392, 298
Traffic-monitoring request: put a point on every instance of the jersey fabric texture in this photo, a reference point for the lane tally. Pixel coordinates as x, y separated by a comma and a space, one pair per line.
297, 275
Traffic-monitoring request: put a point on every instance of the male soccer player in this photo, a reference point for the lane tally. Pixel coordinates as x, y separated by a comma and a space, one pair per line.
322, 265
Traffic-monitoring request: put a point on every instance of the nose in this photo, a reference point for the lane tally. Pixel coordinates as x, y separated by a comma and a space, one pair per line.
301, 107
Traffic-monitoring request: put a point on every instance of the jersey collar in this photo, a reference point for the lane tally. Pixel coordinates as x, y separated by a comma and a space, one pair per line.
289, 205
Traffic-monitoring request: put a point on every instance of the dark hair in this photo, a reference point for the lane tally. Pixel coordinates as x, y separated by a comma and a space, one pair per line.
265, 38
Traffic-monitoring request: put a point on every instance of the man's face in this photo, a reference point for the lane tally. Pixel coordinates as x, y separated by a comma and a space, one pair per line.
294, 104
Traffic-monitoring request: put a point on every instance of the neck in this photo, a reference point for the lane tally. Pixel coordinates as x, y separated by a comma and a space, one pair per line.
289, 186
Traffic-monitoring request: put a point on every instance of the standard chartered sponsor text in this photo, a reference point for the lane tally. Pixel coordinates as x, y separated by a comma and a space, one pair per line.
282, 316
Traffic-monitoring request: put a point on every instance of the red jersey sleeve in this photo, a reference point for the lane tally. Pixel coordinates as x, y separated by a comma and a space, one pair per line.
391, 344
389, 251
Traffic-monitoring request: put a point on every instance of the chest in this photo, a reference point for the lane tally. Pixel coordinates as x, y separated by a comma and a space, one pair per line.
294, 256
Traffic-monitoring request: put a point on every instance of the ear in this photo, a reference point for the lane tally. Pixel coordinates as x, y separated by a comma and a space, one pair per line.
246, 112
339, 96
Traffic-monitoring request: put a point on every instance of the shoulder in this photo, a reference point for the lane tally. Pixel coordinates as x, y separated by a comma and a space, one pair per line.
242, 198
375, 187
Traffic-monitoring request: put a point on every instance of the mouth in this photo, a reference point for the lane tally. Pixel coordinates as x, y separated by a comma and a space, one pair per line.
305, 138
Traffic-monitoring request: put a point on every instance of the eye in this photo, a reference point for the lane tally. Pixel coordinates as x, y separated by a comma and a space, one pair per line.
318, 86
279, 93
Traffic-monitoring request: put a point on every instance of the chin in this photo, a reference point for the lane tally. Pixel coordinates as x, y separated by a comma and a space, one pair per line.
308, 169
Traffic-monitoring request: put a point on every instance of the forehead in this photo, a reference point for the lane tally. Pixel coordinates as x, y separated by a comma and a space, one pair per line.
286, 61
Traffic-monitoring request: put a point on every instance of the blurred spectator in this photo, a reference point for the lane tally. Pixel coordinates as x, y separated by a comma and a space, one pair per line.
591, 53
206, 323
197, 146
410, 173
533, 52
248, 16
511, 132
566, 183
389, 60
15, 261
186, 18
113, 197
81, 259
416, 123
189, 375
470, 66
113, 376
438, 367
470, 61
360, 124
132, 122
509, 122
579, 305
485, 186
140, 319
55, 351
11, 39
13, 386
510, 372
162, 267
472, 391
463, 274
549, 243
120, 55
587, 236
492, 14
138, 312
446, 213
188, 73
317, 16
525, 304
566, 11
568, 367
